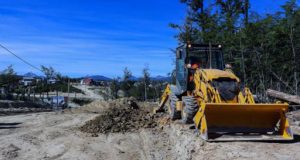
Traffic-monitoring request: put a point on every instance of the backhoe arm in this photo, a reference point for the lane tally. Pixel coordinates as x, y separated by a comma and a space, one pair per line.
164, 99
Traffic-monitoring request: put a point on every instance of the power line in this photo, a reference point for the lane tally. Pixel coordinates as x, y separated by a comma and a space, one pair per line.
23, 60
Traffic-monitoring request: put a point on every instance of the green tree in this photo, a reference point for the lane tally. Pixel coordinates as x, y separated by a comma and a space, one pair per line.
264, 50
49, 72
291, 23
8, 81
146, 81
126, 83
114, 88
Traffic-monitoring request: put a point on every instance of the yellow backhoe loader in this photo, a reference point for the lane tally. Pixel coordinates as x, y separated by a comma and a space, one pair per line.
207, 93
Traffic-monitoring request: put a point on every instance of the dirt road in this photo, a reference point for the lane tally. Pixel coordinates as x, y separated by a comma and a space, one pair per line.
57, 136
88, 92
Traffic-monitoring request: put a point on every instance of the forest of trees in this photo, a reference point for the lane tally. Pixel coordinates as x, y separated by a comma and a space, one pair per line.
264, 49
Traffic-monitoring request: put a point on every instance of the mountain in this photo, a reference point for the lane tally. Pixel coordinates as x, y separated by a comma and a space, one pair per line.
161, 78
157, 78
133, 78
99, 78
31, 74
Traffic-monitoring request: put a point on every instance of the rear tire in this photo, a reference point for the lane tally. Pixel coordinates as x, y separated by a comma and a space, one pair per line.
190, 108
174, 114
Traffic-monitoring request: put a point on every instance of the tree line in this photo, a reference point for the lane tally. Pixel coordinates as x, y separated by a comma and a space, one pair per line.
264, 50
143, 88
10, 84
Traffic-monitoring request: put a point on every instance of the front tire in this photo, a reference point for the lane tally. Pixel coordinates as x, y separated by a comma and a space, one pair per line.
174, 114
190, 108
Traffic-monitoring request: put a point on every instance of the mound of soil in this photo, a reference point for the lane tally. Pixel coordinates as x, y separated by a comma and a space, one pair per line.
122, 117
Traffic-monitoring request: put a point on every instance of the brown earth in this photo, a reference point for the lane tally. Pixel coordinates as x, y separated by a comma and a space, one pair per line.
121, 117
58, 135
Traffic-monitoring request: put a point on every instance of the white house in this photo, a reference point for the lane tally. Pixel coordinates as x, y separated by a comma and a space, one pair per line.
26, 81
51, 81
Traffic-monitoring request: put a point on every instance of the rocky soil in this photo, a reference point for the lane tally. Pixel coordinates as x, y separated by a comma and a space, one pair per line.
78, 134
121, 117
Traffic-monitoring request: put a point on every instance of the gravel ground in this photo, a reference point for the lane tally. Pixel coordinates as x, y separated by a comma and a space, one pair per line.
88, 92
57, 135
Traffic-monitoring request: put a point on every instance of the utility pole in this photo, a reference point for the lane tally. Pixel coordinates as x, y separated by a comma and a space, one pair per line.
34, 93
29, 92
56, 99
145, 89
68, 91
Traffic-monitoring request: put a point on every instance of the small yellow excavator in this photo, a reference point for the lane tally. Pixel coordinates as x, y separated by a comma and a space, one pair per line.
207, 94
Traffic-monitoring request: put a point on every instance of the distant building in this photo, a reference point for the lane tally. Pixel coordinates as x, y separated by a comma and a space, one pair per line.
87, 81
52, 81
27, 81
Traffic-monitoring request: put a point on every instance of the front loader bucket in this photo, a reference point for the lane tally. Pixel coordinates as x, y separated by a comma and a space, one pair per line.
228, 122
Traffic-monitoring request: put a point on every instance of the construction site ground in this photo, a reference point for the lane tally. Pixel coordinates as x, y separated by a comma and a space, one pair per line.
98, 131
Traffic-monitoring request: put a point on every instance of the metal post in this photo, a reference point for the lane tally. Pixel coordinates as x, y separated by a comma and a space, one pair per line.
145, 89
68, 91
56, 98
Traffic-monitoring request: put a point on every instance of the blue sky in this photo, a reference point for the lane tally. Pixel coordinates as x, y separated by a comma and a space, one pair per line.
92, 37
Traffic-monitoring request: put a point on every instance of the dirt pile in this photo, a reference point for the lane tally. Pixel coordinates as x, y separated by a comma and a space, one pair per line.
124, 115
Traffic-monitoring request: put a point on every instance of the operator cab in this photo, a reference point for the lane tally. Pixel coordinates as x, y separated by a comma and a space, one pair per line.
190, 57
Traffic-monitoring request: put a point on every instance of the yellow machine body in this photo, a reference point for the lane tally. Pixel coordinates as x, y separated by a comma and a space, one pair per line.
238, 119
229, 121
